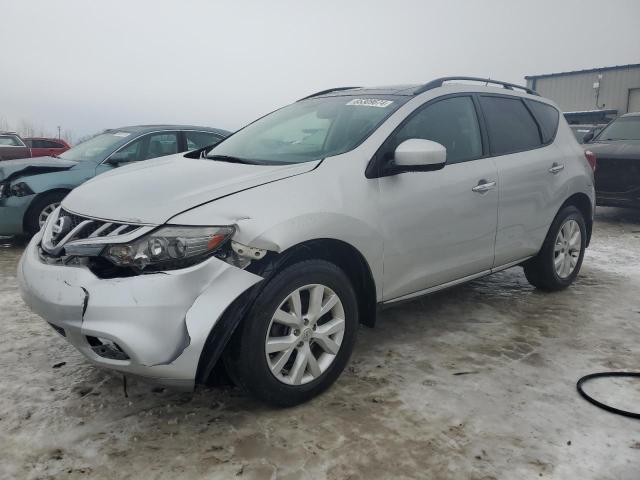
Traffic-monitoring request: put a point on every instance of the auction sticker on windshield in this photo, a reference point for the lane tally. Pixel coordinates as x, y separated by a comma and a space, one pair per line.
370, 102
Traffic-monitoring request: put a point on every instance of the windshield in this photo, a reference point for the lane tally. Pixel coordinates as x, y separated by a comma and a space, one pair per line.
96, 148
623, 128
308, 130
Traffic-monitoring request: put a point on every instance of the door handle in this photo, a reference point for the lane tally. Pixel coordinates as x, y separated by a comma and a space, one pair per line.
556, 168
484, 186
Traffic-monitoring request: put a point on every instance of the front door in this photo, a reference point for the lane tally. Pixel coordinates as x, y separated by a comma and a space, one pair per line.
439, 226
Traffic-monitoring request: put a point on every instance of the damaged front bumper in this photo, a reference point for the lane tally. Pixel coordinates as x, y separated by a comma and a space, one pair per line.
153, 325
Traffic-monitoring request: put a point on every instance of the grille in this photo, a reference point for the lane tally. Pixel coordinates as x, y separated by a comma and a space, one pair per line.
78, 235
103, 229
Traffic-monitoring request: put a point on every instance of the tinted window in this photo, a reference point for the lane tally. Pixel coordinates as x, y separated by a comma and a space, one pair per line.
622, 128
510, 125
51, 144
452, 122
197, 140
547, 118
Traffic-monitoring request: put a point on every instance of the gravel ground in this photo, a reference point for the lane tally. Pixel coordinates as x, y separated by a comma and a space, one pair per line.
473, 383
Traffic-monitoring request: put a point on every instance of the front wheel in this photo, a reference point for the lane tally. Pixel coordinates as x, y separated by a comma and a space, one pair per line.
298, 336
40, 210
557, 264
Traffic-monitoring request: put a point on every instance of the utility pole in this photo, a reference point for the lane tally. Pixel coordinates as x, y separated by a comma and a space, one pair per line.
58, 132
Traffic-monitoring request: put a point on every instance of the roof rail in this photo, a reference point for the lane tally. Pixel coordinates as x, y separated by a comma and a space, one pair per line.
330, 90
439, 81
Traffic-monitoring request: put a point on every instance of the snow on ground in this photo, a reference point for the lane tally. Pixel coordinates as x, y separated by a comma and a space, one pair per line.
477, 382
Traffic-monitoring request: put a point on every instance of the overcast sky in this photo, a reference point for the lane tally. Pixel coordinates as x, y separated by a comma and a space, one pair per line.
90, 65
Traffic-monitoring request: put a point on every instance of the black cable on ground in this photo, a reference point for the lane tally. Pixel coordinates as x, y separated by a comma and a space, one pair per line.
608, 408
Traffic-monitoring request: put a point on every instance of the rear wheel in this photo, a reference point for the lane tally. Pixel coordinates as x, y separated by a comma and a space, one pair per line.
558, 263
298, 336
40, 210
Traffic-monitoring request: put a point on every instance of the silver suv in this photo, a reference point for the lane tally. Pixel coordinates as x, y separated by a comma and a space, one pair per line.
265, 255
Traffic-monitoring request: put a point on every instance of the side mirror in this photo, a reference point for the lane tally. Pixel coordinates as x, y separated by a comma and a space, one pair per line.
117, 158
420, 155
588, 137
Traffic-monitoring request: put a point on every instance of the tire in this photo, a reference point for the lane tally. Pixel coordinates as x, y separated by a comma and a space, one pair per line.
543, 271
32, 217
246, 357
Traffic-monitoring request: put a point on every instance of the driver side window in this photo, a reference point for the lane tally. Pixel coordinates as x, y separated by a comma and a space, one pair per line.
150, 146
451, 122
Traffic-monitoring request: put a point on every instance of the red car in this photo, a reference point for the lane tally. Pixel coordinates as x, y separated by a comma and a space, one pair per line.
43, 147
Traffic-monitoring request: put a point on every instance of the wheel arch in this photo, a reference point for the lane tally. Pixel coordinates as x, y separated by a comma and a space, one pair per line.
582, 202
338, 252
35, 199
349, 259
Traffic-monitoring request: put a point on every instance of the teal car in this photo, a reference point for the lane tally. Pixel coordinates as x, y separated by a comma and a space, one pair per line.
32, 188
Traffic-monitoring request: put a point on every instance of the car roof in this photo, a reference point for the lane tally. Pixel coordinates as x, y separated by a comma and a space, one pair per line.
154, 128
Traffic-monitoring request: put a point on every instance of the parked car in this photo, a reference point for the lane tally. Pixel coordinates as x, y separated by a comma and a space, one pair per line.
12, 146
582, 131
31, 189
617, 148
269, 253
43, 147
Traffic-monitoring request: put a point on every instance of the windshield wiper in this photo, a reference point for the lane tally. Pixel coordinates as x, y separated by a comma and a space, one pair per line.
230, 159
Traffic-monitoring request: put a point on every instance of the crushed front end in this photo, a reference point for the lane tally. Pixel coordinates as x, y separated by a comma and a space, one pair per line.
145, 319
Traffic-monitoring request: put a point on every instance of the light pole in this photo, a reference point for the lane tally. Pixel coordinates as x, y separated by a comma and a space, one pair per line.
58, 132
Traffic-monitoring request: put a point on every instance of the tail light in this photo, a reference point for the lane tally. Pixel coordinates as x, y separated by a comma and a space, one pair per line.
591, 158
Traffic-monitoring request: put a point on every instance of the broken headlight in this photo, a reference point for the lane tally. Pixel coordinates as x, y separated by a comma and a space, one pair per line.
169, 247
21, 190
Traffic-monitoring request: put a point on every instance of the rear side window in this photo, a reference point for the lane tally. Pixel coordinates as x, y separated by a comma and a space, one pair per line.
510, 126
547, 118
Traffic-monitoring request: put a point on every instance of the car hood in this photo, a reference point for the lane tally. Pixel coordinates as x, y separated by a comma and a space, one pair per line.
627, 149
10, 169
153, 191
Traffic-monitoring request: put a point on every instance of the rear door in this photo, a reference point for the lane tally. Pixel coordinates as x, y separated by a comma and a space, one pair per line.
530, 171
438, 226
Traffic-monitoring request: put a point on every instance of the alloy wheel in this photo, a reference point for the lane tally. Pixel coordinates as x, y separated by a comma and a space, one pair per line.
305, 334
45, 212
567, 248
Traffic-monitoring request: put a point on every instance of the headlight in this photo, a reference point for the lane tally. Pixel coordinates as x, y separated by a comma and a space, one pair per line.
4, 189
169, 247
21, 190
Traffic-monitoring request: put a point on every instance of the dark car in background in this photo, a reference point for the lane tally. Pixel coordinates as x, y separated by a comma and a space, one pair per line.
42, 146
12, 146
617, 148
31, 189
